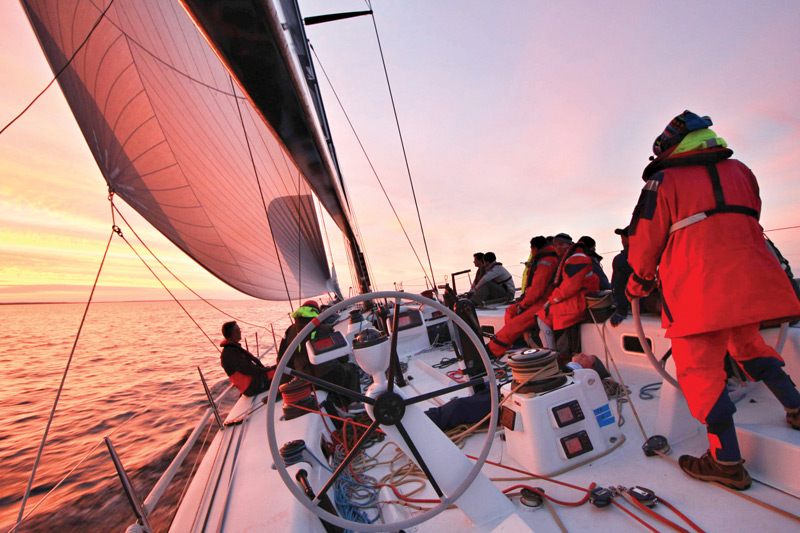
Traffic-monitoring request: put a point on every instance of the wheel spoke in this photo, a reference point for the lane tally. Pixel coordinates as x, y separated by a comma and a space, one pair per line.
394, 362
332, 387
346, 461
428, 395
419, 459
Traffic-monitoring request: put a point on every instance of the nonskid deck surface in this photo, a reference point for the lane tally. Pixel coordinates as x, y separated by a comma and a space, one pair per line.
249, 494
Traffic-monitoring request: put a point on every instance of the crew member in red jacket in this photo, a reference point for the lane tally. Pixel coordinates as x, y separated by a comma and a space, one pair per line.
244, 370
696, 225
566, 304
521, 316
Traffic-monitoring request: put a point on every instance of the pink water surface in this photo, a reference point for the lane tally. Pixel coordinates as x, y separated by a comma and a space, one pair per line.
130, 354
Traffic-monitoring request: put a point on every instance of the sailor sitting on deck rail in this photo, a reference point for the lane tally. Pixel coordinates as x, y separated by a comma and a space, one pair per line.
244, 370
696, 225
619, 279
591, 250
496, 283
521, 316
561, 315
480, 263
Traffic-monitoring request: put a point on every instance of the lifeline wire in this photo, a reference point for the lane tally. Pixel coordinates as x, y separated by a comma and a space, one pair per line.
118, 231
61, 386
369, 161
402, 144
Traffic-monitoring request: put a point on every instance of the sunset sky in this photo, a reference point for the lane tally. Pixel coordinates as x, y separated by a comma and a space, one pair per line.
519, 118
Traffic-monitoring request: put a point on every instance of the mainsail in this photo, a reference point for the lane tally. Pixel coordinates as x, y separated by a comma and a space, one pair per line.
176, 137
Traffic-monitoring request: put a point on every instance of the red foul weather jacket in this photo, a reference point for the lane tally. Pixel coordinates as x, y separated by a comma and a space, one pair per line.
715, 269
574, 278
522, 316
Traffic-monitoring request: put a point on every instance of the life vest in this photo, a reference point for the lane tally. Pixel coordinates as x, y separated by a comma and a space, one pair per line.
720, 207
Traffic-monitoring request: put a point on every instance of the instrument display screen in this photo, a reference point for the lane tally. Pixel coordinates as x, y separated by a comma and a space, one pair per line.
408, 319
576, 444
329, 343
567, 413
507, 418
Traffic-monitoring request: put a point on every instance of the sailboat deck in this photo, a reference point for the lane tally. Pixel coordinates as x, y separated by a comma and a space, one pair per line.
241, 481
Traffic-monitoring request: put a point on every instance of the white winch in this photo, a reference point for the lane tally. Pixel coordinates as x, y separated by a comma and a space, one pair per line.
561, 425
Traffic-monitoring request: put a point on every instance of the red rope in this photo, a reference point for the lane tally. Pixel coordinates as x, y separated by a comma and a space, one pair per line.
551, 480
685, 519
642, 507
645, 524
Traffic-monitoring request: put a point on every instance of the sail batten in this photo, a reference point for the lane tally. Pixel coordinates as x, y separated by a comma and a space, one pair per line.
177, 139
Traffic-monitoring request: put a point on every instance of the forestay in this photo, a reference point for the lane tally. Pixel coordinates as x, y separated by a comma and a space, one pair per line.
176, 138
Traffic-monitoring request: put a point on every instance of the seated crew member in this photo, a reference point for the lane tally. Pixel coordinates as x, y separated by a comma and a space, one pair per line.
527, 275
495, 284
244, 370
521, 316
620, 273
561, 314
338, 372
480, 263
591, 251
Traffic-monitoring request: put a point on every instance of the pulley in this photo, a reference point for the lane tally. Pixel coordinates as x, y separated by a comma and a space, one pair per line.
600, 497
656, 445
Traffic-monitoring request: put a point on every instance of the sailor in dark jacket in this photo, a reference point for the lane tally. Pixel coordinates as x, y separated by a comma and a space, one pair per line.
338, 372
244, 370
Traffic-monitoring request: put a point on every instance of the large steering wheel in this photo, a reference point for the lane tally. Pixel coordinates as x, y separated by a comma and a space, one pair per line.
390, 410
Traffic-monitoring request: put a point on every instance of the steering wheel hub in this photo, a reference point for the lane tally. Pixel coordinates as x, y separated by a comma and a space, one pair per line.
389, 408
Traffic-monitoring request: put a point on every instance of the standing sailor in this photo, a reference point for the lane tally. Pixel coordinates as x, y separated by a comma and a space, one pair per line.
697, 226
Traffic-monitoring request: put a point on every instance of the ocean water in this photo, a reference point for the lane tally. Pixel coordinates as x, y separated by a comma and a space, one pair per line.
132, 357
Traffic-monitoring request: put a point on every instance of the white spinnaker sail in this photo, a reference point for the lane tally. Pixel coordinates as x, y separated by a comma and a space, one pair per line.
176, 138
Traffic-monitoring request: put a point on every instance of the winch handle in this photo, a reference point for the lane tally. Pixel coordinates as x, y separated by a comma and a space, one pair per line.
659, 366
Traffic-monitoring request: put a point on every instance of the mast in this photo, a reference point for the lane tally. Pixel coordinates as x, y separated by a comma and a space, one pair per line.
265, 49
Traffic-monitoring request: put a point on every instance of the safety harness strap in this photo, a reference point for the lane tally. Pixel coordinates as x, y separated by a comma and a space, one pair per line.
721, 206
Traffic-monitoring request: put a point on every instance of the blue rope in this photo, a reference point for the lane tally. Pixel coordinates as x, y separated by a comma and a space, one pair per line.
646, 392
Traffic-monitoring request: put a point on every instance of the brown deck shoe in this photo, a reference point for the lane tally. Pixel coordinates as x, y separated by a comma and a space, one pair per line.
793, 418
706, 468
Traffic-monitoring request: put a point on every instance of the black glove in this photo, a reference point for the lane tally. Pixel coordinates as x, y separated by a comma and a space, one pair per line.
617, 318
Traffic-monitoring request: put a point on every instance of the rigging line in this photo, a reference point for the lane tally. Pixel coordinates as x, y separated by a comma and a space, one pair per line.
63, 380
119, 232
781, 229
402, 144
369, 161
115, 208
263, 200
62, 69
